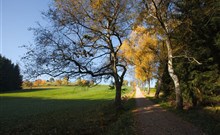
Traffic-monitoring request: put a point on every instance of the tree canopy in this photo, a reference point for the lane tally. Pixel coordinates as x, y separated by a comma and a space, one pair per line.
84, 39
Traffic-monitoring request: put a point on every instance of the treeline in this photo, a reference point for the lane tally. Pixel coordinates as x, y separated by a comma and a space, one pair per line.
10, 77
197, 53
57, 82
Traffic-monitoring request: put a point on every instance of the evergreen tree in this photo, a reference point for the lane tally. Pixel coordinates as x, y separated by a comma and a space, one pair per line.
10, 77
197, 50
198, 35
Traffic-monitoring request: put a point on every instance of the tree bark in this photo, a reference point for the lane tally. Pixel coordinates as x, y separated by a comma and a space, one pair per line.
118, 95
179, 99
148, 91
158, 87
160, 75
118, 82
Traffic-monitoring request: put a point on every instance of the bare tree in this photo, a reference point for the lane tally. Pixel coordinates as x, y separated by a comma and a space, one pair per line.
83, 39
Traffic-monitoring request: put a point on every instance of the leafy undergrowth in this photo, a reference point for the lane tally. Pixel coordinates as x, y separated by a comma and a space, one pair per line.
205, 118
84, 118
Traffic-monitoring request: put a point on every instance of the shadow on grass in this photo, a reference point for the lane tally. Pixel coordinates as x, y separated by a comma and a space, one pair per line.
51, 116
12, 107
89, 113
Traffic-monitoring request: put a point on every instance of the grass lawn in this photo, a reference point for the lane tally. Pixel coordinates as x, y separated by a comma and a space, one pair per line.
59, 110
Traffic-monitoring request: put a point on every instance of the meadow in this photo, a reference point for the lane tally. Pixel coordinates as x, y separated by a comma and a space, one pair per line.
61, 110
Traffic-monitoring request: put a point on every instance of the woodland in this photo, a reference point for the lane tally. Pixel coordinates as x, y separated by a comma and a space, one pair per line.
176, 42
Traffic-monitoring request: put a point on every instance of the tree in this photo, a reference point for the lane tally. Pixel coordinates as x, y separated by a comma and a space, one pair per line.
161, 66
158, 16
58, 82
27, 83
65, 80
37, 82
125, 83
199, 21
85, 83
43, 82
80, 40
10, 77
52, 80
139, 51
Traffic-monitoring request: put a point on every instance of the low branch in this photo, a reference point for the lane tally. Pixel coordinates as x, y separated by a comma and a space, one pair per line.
189, 58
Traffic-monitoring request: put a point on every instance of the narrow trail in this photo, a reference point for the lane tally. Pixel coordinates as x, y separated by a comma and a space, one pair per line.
154, 120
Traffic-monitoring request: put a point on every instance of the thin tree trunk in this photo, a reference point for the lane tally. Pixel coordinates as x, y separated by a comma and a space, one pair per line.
143, 86
158, 87
148, 86
179, 99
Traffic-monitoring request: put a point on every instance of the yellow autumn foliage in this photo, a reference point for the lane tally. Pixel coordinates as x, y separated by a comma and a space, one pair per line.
139, 51
96, 4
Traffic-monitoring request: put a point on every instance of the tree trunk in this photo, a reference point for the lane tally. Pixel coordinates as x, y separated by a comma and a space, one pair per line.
160, 74
143, 86
148, 86
158, 87
193, 97
118, 95
179, 99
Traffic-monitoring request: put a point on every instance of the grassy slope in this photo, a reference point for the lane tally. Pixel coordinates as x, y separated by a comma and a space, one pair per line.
64, 110
206, 118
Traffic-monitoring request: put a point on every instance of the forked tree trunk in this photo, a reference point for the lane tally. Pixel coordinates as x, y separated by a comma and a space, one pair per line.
179, 99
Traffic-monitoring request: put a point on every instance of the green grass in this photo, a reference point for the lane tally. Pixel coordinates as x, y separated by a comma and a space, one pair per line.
59, 110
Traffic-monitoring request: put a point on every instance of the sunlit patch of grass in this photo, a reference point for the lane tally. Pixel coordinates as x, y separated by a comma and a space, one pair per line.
62, 93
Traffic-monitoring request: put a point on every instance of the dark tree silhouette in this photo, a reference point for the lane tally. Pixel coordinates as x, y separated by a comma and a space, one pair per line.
10, 77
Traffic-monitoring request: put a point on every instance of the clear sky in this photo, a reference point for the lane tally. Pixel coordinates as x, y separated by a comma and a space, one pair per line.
16, 16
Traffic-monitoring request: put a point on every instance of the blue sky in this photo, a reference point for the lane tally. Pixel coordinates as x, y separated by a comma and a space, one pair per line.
16, 16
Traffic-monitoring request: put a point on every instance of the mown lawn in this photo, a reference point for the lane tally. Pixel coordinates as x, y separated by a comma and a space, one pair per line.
60, 110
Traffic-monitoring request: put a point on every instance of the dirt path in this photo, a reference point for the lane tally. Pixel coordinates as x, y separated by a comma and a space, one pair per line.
153, 120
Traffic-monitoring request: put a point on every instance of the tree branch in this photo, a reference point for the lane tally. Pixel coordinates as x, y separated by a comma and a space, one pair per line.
189, 58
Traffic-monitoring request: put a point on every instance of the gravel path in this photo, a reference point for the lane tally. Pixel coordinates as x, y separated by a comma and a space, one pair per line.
153, 120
